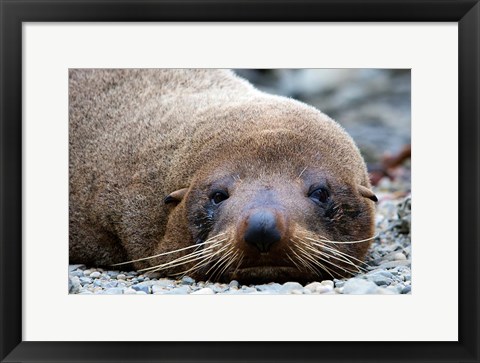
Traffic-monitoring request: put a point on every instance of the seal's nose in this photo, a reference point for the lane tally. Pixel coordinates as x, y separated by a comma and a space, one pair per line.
262, 230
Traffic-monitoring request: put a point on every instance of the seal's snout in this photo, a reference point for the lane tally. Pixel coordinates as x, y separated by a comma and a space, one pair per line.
262, 230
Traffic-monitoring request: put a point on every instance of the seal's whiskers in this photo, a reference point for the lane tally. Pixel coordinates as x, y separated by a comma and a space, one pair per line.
208, 241
342, 242
196, 255
307, 264
221, 261
323, 245
316, 262
228, 264
175, 263
206, 261
329, 252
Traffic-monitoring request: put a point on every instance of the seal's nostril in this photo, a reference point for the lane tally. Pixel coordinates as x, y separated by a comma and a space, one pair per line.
262, 230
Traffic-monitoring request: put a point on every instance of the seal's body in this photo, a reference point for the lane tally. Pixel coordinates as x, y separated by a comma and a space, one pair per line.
197, 172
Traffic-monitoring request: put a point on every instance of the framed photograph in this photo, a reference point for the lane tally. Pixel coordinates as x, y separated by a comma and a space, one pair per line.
239, 182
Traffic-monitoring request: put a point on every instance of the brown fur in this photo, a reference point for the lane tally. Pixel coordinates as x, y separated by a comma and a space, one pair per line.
136, 136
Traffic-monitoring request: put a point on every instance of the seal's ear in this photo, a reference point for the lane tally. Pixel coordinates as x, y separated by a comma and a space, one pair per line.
367, 193
175, 197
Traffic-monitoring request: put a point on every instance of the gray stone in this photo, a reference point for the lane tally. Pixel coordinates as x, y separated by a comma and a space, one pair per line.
113, 274
312, 287
233, 283
165, 283
121, 277
114, 291
95, 274
391, 264
406, 289
110, 284
357, 286
204, 291
141, 287
187, 280
78, 273
72, 268
328, 283
156, 289
288, 287
85, 280
399, 257
130, 291
74, 285
324, 289
380, 277
218, 288
272, 287
182, 290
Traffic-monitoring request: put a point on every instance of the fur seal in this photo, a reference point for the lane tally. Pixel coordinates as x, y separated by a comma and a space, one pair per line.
197, 172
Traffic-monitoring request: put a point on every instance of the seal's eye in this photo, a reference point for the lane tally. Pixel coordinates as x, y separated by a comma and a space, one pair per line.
218, 197
319, 195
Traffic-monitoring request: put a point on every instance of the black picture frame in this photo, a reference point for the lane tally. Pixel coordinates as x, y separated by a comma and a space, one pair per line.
14, 12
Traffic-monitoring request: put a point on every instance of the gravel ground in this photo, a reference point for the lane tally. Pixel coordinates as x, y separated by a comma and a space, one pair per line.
386, 270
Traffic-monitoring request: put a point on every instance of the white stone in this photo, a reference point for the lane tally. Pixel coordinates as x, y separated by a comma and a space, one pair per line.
204, 291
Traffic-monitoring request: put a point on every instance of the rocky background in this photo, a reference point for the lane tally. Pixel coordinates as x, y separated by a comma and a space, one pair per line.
373, 105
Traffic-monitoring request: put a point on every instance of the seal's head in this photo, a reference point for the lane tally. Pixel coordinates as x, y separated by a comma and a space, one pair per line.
278, 204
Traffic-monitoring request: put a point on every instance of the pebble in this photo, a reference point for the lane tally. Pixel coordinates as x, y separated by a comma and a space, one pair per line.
357, 286
233, 283
114, 291
95, 274
406, 289
85, 280
324, 289
121, 277
273, 286
139, 287
187, 280
380, 277
74, 285
204, 291
328, 283
288, 287
394, 264
158, 289
72, 268
399, 257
